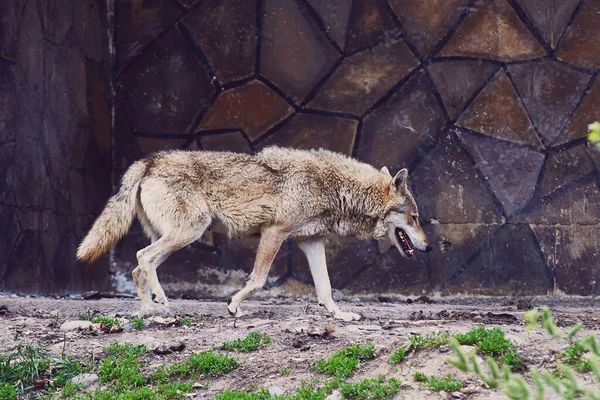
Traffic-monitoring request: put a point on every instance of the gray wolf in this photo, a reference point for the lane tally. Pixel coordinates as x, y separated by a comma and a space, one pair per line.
280, 193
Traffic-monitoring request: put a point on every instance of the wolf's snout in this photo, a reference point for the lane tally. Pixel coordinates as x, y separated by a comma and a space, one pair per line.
428, 248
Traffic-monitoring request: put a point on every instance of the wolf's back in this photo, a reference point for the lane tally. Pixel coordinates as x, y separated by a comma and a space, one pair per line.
116, 218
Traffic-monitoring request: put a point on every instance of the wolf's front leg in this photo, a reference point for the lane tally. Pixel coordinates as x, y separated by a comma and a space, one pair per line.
314, 250
271, 239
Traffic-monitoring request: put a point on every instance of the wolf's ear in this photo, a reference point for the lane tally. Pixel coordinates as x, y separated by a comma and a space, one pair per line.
401, 179
386, 171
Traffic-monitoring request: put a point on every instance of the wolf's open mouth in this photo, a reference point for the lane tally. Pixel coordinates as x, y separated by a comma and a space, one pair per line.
405, 243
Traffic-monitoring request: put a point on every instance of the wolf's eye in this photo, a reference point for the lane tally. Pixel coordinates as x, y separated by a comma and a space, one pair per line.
415, 218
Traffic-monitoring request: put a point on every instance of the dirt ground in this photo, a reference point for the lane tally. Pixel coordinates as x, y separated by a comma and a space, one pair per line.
295, 327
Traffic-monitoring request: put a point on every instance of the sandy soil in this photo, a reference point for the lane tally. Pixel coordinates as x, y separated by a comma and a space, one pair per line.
294, 327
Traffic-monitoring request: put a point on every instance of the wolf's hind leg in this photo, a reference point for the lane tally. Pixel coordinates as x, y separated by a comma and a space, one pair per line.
270, 241
152, 256
138, 274
314, 250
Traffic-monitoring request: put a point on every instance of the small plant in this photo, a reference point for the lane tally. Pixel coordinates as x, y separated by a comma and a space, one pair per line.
8, 391
371, 389
107, 322
398, 356
205, 362
433, 383
285, 371
343, 362
69, 389
420, 377
252, 342
23, 366
594, 134
138, 323
429, 342
572, 355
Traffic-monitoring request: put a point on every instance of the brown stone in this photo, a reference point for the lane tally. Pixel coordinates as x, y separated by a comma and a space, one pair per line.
457, 81
89, 27
497, 111
150, 145
311, 131
407, 123
578, 205
550, 17
334, 14
231, 141
392, 273
371, 22
449, 190
582, 38
167, 86
510, 264
138, 22
512, 171
226, 32
427, 22
550, 92
587, 112
493, 30
345, 257
454, 245
57, 16
573, 253
10, 21
364, 78
253, 108
565, 167
295, 53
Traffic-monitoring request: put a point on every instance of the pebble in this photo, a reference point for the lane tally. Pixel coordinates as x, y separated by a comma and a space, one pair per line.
335, 395
85, 380
74, 325
276, 391
54, 313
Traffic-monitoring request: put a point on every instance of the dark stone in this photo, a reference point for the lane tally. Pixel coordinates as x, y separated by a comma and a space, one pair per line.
89, 27
345, 257
310, 131
573, 253
498, 112
232, 141
453, 246
426, 23
167, 86
550, 17
587, 112
550, 92
510, 264
334, 14
29, 51
407, 123
30, 179
27, 261
226, 32
10, 21
457, 81
253, 108
7, 158
582, 38
57, 16
392, 273
149, 145
364, 78
512, 171
295, 54
565, 167
138, 22
578, 205
8, 238
493, 30
449, 190
371, 22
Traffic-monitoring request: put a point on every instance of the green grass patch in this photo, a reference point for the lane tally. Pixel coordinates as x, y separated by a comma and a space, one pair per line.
138, 323
371, 389
26, 364
493, 343
429, 341
573, 356
343, 362
203, 363
433, 383
107, 322
398, 356
8, 391
252, 342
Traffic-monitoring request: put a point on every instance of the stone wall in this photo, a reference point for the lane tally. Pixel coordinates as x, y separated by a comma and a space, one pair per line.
55, 141
485, 101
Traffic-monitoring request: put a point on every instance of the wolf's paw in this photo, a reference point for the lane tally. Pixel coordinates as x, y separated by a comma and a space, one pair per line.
155, 310
346, 316
234, 312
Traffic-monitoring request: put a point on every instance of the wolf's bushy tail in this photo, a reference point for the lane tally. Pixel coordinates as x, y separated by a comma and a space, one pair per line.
116, 218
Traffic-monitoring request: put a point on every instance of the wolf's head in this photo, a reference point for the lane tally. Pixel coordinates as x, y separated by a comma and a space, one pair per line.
401, 222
